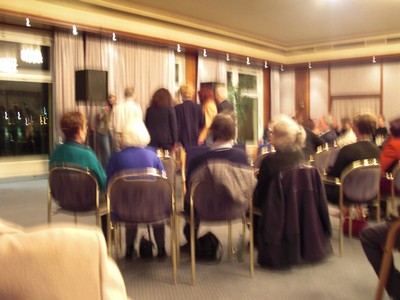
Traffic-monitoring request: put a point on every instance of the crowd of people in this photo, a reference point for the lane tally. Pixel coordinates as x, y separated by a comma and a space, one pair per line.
129, 140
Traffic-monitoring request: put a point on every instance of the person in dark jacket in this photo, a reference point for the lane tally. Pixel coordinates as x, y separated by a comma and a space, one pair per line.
161, 121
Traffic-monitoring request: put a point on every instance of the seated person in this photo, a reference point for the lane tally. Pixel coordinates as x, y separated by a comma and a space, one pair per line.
364, 125
373, 240
288, 138
134, 155
57, 262
327, 130
347, 136
390, 154
223, 132
313, 141
74, 151
381, 132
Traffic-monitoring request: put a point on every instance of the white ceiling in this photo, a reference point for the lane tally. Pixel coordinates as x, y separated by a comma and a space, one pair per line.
286, 24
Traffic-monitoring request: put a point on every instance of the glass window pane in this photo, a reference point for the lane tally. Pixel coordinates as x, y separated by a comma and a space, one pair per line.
24, 124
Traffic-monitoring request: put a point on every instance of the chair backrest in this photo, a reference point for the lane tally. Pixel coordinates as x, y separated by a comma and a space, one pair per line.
325, 158
360, 181
73, 188
170, 168
140, 196
396, 177
221, 190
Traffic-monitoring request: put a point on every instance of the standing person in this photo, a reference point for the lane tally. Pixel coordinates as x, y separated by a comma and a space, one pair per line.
74, 151
103, 130
210, 110
190, 118
161, 122
221, 96
134, 155
123, 113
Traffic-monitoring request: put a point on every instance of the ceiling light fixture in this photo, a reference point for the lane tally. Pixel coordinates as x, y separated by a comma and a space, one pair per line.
114, 37
373, 59
309, 65
8, 65
204, 52
28, 22
248, 61
282, 69
74, 30
31, 54
265, 64
178, 48
227, 57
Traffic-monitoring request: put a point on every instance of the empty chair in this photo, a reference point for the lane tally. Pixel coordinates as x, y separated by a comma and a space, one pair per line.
74, 190
221, 191
142, 196
295, 225
359, 183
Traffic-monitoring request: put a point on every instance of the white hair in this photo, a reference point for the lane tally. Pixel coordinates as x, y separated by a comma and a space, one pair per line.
135, 134
288, 134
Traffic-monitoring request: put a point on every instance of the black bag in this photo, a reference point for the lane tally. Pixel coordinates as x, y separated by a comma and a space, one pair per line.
146, 246
208, 248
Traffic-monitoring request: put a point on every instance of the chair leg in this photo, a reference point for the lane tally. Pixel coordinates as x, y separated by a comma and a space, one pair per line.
49, 209
350, 227
109, 228
341, 233
251, 237
230, 240
192, 244
173, 247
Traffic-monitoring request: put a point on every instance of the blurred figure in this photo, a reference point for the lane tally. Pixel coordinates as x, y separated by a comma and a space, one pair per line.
74, 151
221, 96
313, 141
364, 125
103, 130
134, 155
347, 136
223, 131
161, 121
122, 114
328, 133
381, 132
190, 118
210, 110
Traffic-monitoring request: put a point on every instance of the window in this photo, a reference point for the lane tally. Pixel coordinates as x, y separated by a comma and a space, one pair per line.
245, 86
25, 89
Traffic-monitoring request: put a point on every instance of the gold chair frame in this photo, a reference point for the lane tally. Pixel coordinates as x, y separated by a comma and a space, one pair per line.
374, 166
69, 169
145, 175
394, 178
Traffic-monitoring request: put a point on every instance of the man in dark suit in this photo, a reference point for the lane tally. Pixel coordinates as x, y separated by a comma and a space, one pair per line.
190, 118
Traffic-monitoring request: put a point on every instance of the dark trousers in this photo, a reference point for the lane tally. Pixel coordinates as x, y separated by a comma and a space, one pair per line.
373, 240
158, 230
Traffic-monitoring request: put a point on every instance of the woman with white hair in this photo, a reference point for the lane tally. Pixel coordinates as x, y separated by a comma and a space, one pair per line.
288, 138
134, 155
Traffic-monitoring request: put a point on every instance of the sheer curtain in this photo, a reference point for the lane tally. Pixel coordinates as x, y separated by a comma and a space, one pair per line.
128, 63
211, 69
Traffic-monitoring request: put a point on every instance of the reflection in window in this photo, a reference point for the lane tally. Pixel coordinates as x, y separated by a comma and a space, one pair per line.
24, 118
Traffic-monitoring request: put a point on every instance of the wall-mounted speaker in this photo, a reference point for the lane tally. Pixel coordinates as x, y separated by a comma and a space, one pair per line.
91, 86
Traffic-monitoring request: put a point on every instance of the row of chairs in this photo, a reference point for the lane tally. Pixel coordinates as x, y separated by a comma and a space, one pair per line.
135, 196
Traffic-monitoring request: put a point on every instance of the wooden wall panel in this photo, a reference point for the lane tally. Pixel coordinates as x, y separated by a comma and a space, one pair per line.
302, 93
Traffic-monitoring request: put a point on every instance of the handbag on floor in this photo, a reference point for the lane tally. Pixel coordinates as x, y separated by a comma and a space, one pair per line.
208, 248
146, 246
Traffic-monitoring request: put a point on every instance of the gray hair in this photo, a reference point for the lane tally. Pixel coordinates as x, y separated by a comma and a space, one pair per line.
289, 135
135, 134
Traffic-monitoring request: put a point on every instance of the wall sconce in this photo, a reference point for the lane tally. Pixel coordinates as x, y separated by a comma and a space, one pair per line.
114, 37
265, 64
227, 57
282, 69
373, 59
74, 30
309, 65
28, 22
204, 52
248, 61
178, 48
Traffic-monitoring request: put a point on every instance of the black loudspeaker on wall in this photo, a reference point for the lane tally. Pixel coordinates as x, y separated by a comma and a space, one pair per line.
91, 86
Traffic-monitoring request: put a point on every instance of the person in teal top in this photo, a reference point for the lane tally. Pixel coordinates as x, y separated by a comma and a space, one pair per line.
73, 151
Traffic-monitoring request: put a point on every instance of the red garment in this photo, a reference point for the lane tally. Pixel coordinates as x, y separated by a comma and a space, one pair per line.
390, 154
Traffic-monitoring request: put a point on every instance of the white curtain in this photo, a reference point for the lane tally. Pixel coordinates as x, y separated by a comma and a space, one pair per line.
128, 63
211, 69
349, 107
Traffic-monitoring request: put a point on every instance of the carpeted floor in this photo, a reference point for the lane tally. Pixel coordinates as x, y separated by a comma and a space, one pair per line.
348, 277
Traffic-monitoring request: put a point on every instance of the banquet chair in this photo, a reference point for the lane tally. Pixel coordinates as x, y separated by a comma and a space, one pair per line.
394, 178
358, 184
294, 226
216, 197
142, 196
325, 158
387, 258
75, 190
